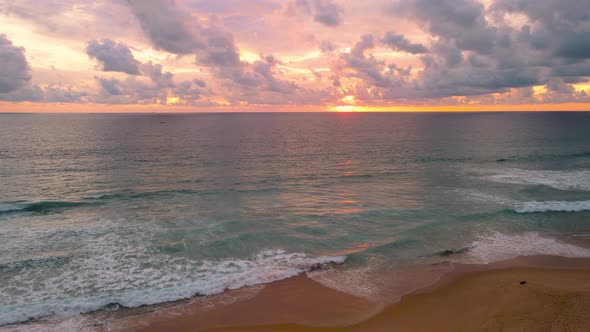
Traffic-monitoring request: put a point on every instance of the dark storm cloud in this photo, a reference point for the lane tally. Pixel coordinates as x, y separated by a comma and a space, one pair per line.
14, 69
401, 43
113, 56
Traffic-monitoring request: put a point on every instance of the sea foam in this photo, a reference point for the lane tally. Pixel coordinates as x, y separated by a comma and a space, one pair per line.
562, 180
552, 206
120, 271
497, 247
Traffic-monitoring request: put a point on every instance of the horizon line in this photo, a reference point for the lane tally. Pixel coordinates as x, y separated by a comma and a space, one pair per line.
67, 108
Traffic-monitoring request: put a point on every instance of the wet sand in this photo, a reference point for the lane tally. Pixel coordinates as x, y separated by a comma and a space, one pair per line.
555, 297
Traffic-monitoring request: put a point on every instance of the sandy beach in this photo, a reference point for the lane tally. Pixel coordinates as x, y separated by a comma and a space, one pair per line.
533, 294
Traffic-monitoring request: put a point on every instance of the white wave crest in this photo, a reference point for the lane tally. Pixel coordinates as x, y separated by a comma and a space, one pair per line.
553, 206
113, 268
563, 180
353, 281
498, 247
4, 207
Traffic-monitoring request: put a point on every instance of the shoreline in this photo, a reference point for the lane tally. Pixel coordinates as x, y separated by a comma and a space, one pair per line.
515, 298
302, 304
486, 294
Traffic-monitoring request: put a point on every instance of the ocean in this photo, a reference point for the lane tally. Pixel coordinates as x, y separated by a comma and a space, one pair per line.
127, 210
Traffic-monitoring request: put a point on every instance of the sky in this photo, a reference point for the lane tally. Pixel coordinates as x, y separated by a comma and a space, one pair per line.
294, 55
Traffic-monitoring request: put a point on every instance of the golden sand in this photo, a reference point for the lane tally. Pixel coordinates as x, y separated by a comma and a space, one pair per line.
500, 297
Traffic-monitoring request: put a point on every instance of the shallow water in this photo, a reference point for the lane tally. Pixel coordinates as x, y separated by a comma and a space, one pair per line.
142, 209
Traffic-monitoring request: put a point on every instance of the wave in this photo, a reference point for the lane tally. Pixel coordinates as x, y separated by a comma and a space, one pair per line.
499, 247
539, 157
531, 157
129, 194
553, 206
562, 180
131, 276
528, 207
46, 207
354, 281
43, 207
427, 160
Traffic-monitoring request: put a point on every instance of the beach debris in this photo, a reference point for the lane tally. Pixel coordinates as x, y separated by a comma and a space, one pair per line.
523, 282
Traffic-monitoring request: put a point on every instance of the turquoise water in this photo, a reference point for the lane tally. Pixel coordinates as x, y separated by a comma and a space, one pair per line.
143, 209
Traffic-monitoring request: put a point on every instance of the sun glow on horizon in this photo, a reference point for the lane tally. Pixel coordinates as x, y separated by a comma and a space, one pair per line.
347, 108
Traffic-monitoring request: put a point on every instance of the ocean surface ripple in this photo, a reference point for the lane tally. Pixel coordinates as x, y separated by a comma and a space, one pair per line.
124, 210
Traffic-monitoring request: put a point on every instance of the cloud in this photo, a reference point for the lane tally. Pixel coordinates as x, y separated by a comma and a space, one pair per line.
199, 83
400, 43
249, 81
447, 51
52, 93
153, 88
559, 26
112, 86
169, 28
558, 91
155, 73
217, 7
360, 65
479, 51
173, 30
15, 79
461, 21
113, 56
14, 68
327, 46
60, 93
70, 19
325, 12
220, 49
